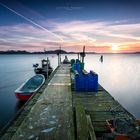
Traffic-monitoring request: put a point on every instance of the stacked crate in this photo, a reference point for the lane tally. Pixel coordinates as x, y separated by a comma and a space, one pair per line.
84, 81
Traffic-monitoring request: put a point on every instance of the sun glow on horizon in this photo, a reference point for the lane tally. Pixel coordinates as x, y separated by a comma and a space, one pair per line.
115, 48
29, 38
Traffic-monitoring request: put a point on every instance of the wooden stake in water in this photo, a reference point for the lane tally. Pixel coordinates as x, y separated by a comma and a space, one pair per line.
82, 54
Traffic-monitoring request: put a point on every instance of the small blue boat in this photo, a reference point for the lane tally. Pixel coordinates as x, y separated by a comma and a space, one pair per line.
27, 89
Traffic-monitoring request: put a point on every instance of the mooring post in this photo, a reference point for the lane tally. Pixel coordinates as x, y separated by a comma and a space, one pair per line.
60, 54
78, 56
47, 67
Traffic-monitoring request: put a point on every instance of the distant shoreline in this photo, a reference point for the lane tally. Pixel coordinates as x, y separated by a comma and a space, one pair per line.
56, 52
46, 52
26, 52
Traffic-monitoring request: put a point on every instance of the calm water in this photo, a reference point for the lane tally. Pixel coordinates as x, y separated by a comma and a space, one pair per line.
119, 74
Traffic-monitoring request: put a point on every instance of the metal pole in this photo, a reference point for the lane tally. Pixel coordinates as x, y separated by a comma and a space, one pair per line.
45, 53
78, 56
60, 54
47, 66
58, 59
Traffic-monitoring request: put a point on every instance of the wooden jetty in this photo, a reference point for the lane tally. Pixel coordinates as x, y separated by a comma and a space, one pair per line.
57, 112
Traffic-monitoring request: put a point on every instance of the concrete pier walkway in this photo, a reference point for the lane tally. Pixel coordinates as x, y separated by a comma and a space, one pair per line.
52, 116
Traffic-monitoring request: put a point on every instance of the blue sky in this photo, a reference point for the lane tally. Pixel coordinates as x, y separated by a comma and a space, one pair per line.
101, 25
71, 10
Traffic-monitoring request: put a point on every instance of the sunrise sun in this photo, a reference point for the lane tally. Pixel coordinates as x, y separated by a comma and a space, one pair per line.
115, 48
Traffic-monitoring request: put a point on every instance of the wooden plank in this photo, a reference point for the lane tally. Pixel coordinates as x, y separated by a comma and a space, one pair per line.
91, 129
81, 123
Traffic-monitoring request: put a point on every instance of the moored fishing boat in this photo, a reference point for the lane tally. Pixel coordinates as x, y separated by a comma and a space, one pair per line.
45, 68
27, 89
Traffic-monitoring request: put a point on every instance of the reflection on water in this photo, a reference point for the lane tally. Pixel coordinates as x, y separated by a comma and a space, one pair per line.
19, 105
119, 74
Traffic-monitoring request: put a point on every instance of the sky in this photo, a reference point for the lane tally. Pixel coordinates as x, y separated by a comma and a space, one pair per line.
103, 26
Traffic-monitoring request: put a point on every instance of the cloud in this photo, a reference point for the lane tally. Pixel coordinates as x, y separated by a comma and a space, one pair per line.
99, 28
98, 35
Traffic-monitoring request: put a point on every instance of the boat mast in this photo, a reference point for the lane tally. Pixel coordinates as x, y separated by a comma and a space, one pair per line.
45, 53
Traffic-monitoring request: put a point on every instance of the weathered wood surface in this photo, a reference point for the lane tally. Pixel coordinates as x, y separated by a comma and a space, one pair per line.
100, 106
81, 123
84, 127
51, 117
91, 129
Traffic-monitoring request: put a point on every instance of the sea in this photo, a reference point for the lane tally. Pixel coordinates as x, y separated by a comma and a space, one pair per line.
119, 74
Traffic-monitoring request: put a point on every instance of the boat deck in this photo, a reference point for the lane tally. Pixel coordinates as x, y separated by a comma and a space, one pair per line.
57, 112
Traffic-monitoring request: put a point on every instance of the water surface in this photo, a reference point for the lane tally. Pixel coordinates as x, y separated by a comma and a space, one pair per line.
119, 74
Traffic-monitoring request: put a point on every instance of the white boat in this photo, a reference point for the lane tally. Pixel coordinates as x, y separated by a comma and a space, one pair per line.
27, 89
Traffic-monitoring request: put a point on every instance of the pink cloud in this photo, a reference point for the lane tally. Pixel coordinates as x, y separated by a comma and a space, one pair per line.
75, 34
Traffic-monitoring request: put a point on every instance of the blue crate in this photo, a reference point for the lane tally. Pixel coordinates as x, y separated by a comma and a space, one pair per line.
93, 82
77, 61
77, 67
86, 82
81, 82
